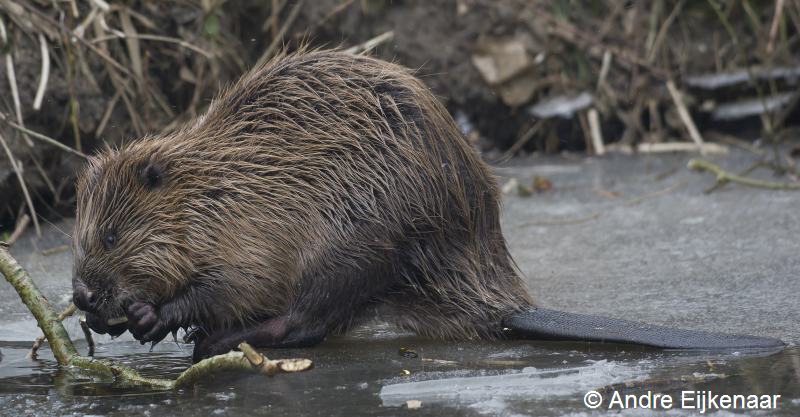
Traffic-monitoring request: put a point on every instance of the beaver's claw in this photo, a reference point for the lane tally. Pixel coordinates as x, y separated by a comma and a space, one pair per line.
145, 324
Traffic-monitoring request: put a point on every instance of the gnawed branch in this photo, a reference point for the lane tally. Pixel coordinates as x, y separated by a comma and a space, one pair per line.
67, 356
724, 177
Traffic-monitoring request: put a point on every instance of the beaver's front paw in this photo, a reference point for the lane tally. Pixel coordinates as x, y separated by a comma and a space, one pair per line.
145, 324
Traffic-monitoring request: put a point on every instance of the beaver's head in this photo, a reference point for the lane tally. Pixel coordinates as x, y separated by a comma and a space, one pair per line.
128, 238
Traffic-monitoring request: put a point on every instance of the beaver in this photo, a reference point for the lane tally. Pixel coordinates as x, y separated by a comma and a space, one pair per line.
321, 187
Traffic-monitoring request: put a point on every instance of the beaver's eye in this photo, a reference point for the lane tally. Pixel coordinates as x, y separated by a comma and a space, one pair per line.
110, 241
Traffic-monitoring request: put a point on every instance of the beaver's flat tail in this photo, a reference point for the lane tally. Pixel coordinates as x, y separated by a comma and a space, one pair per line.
544, 324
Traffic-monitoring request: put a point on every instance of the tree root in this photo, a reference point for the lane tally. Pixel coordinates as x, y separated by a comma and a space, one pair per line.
68, 357
724, 177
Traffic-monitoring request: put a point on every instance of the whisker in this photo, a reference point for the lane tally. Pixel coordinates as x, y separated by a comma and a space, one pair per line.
57, 228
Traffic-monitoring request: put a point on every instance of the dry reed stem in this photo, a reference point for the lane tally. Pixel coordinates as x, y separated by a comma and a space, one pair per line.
45, 73
18, 172
273, 46
4, 118
22, 224
773, 30
664, 147
683, 113
597, 134
370, 44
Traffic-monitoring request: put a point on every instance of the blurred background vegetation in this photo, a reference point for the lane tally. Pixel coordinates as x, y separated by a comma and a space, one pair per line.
519, 76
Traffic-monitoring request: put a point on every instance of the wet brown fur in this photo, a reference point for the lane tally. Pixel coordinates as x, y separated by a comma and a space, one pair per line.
318, 186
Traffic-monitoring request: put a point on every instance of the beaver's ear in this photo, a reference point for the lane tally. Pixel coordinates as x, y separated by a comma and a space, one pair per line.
151, 174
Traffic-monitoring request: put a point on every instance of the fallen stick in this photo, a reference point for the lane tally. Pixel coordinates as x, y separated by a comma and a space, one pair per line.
597, 135
704, 148
48, 321
683, 113
67, 356
725, 176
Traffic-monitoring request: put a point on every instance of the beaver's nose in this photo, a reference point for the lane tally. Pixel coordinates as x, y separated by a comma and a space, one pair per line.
84, 299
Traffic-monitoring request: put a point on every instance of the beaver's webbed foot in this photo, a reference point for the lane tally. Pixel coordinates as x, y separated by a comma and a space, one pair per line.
208, 345
146, 324
277, 332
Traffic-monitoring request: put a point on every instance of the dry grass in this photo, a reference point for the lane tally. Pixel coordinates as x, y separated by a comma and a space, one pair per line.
106, 70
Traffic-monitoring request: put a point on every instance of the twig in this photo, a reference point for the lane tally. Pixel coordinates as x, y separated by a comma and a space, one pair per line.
132, 42
80, 29
107, 114
22, 224
12, 80
768, 126
272, 367
74, 9
655, 117
683, 113
37, 101
561, 222
279, 37
74, 108
787, 110
605, 66
87, 334
275, 9
370, 44
18, 171
725, 176
705, 148
37, 135
41, 309
530, 133
594, 46
67, 356
251, 360
585, 129
597, 134
69, 35
69, 311
102, 5
651, 54
737, 142
55, 250
157, 38
334, 11
47, 181
636, 200
719, 184
773, 30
